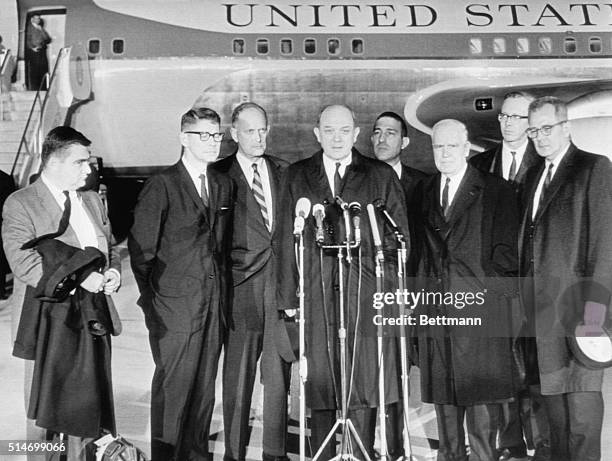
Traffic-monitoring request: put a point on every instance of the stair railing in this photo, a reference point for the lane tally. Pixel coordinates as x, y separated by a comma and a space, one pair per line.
27, 158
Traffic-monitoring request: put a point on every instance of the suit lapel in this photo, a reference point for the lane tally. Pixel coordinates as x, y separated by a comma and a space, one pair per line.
317, 179
54, 213
354, 177
496, 164
469, 190
560, 177
274, 175
189, 186
529, 159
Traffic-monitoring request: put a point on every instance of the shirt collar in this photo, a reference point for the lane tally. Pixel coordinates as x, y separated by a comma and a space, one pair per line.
193, 171
330, 163
455, 178
519, 150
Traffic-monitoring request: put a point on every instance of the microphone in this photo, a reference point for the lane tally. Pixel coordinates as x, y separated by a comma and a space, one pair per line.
302, 210
318, 211
355, 210
347, 220
380, 206
375, 233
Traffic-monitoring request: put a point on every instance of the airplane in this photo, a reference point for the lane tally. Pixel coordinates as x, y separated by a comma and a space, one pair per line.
134, 66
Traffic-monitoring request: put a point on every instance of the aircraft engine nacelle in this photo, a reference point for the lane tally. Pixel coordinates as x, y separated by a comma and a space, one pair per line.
591, 117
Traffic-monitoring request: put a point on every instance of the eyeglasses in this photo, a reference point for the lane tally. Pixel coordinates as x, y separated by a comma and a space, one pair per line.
514, 117
545, 130
205, 135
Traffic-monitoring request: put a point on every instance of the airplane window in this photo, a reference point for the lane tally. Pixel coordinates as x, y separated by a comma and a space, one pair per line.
357, 46
522, 45
333, 46
238, 46
94, 46
545, 45
595, 45
499, 45
310, 46
570, 45
262, 46
286, 46
118, 46
475, 46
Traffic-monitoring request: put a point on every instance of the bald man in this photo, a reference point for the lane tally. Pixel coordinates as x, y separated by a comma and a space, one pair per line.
338, 170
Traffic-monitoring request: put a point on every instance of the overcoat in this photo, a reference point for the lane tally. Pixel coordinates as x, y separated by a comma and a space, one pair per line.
365, 180
473, 250
567, 248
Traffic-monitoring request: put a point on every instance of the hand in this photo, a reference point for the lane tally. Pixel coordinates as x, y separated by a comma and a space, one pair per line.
112, 281
93, 283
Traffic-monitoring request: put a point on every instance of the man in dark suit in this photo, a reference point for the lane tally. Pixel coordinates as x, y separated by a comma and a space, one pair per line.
515, 155
470, 221
566, 252
389, 137
339, 170
256, 176
179, 249
51, 206
511, 160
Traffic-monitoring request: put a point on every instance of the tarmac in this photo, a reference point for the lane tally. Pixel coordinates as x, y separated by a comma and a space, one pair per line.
132, 371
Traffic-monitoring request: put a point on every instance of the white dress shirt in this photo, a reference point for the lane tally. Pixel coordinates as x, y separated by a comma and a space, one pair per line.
507, 157
453, 185
538, 192
194, 174
80, 222
330, 169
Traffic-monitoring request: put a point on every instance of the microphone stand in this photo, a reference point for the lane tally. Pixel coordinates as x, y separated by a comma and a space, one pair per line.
380, 279
348, 429
401, 279
303, 365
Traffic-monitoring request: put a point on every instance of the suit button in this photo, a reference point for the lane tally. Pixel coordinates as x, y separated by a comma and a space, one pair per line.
211, 276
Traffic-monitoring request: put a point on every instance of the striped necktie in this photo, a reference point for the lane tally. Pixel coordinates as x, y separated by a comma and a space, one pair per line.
258, 193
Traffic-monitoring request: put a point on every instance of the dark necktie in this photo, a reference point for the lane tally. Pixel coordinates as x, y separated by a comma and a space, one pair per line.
445, 197
512, 172
63, 225
546, 184
258, 193
337, 180
203, 191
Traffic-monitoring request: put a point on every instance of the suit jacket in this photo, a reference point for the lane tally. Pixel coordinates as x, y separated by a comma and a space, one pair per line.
7, 187
67, 388
365, 180
251, 250
411, 181
33, 211
568, 250
179, 249
491, 161
473, 250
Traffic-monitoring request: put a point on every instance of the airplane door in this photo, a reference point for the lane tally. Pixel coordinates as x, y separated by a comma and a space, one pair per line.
55, 25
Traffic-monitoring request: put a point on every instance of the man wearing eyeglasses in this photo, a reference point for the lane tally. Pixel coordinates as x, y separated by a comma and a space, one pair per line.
256, 176
566, 244
511, 160
179, 251
516, 154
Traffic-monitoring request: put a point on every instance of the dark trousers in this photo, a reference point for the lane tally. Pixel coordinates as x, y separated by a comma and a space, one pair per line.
511, 428
183, 391
482, 422
322, 421
242, 350
276, 375
575, 420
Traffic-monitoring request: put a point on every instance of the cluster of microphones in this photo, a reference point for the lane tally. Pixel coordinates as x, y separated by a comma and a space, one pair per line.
352, 215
